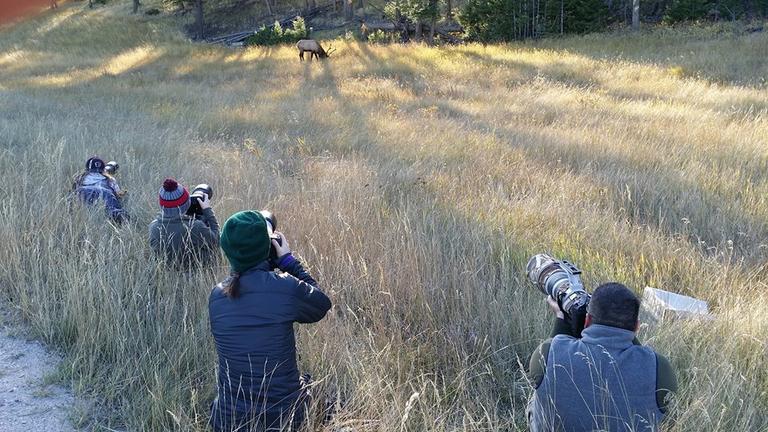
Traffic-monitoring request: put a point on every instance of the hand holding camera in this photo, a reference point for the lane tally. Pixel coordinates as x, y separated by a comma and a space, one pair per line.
276, 237
110, 170
205, 202
554, 307
200, 199
280, 244
280, 252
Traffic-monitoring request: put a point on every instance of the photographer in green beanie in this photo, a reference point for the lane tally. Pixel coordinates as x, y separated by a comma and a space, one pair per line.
252, 315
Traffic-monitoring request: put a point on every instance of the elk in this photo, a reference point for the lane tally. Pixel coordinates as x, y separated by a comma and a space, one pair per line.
314, 49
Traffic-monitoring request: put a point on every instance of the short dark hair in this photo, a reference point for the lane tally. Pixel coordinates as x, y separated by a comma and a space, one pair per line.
615, 305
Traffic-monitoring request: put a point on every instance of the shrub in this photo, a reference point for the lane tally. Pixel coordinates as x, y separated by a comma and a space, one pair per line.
266, 36
378, 37
297, 32
276, 35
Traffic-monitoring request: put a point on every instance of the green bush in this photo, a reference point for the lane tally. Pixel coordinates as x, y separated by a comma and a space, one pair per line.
297, 32
266, 36
276, 35
379, 37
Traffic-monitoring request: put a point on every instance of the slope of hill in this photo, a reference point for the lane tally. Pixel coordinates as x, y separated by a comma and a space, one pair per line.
415, 181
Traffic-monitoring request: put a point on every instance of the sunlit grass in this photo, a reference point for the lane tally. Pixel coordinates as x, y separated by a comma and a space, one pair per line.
415, 181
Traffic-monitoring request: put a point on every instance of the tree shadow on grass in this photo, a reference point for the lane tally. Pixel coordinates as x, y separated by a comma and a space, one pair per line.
694, 52
403, 193
388, 162
654, 189
736, 100
646, 193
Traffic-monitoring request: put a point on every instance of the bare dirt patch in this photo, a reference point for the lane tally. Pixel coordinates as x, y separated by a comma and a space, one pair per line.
28, 402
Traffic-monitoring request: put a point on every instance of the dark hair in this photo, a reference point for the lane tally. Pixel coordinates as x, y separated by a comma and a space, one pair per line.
231, 285
615, 305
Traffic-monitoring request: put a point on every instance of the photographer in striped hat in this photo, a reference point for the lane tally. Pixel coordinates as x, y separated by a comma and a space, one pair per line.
182, 239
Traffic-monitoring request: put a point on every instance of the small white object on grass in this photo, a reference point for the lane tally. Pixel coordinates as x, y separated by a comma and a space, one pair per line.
659, 305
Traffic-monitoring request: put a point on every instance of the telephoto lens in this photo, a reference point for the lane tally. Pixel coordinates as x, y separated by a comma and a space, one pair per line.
560, 280
196, 196
111, 167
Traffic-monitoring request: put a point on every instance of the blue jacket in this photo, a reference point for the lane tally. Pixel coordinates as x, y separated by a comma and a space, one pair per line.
602, 381
93, 187
258, 379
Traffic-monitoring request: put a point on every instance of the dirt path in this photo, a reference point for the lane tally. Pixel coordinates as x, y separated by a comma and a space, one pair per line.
27, 403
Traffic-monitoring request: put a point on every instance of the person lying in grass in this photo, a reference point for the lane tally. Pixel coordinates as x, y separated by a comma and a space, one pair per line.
95, 185
251, 315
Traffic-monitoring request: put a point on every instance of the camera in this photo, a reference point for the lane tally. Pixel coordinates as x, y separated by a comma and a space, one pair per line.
560, 280
111, 168
271, 227
196, 196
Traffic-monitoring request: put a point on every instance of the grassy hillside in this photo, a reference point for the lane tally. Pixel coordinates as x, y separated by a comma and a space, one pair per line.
415, 181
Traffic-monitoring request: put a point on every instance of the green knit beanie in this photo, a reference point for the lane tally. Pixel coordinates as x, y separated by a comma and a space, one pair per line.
245, 240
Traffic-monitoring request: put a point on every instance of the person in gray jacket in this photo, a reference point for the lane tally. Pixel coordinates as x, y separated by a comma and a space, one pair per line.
182, 239
604, 379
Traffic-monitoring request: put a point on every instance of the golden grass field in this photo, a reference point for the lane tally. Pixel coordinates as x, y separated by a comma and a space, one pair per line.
415, 182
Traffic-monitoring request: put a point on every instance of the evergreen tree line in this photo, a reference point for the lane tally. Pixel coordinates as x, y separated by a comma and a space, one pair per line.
503, 20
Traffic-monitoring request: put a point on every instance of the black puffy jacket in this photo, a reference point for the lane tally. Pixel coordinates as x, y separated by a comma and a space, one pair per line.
258, 379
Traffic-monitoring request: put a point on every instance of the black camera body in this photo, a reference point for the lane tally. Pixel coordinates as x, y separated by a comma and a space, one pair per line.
560, 280
196, 196
271, 228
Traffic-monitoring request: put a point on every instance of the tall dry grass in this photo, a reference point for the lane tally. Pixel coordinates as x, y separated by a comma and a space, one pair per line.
415, 182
